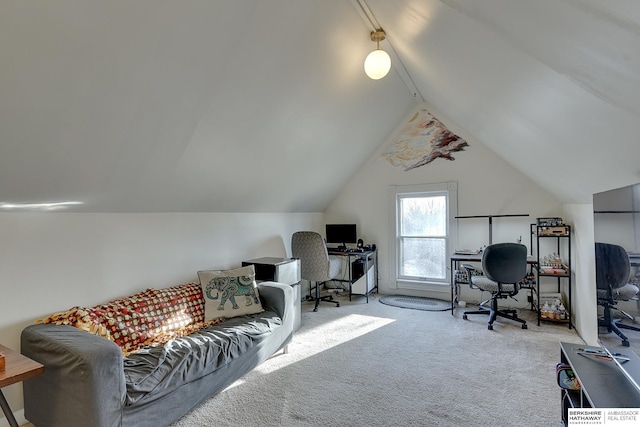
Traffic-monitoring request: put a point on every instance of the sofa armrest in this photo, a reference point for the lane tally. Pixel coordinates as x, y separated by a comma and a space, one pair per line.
83, 382
280, 298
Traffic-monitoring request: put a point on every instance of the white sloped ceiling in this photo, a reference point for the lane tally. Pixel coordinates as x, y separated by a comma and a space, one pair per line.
263, 106
552, 86
152, 106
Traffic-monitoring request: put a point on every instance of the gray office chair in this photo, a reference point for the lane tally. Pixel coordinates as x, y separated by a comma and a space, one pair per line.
504, 266
315, 264
612, 281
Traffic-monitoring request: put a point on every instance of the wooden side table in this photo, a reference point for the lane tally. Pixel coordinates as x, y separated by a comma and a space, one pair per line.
17, 368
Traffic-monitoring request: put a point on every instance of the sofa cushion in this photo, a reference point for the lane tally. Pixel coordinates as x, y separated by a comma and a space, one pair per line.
148, 318
230, 293
157, 371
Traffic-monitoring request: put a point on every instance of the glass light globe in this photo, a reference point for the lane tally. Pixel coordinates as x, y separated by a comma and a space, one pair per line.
377, 64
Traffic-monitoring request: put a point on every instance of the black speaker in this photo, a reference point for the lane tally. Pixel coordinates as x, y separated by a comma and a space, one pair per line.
360, 243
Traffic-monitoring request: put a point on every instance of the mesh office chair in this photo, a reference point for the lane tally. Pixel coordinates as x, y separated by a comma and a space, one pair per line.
612, 282
504, 266
315, 264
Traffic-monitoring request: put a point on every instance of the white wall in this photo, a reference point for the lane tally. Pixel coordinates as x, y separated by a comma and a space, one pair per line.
584, 271
487, 185
53, 261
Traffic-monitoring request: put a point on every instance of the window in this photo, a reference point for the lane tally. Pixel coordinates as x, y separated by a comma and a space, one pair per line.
423, 231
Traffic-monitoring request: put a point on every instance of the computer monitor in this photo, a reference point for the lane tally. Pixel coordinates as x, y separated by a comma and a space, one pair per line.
341, 233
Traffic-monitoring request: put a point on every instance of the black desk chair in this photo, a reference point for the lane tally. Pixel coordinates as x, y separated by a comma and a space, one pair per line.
612, 282
504, 266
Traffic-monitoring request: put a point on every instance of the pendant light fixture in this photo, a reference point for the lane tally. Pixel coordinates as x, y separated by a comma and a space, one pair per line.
378, 62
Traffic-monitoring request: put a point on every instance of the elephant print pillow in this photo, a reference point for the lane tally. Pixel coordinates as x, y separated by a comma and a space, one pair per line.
229, 293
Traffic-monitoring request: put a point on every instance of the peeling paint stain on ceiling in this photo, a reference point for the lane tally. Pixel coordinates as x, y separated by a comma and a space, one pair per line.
422, 140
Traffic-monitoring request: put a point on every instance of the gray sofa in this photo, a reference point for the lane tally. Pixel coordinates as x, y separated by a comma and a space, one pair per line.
88, 382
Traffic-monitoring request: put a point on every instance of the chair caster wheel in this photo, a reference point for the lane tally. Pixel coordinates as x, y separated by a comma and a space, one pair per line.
464, 316
490, 327
524, 326
625, 343
338, 305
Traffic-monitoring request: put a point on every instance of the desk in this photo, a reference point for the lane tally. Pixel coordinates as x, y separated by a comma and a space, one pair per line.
17, 368
363, 271
602, 383
457, 259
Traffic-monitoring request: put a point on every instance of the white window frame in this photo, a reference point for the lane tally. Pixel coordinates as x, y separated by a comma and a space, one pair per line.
450, 190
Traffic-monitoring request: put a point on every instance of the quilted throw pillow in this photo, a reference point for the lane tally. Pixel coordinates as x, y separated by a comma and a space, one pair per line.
230, 293
148, 318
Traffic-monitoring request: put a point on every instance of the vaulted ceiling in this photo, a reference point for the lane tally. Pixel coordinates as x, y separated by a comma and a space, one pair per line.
258, 106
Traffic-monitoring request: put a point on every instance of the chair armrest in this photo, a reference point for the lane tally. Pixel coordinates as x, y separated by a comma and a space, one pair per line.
469, 269
516, 289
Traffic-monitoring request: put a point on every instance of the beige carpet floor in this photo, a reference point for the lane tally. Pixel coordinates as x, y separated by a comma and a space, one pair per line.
377, 365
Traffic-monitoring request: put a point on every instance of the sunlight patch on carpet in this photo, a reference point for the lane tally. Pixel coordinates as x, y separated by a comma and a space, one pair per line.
310, 342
